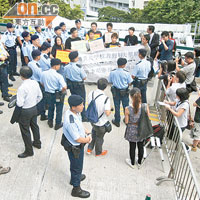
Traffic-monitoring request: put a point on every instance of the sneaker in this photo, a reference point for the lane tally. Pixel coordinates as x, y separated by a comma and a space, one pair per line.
128, 162
89, 151
193, 148
103, 153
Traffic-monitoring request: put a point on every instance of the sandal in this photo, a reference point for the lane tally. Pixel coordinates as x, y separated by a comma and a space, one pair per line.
4, 170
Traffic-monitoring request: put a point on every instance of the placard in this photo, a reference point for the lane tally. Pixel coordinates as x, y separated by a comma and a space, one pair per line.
79, 45
63, 55
108, 37
96, 45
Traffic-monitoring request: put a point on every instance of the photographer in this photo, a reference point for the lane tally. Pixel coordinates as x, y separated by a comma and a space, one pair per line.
189, 67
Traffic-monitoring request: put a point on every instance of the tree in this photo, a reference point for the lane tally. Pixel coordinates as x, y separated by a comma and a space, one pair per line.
4, 7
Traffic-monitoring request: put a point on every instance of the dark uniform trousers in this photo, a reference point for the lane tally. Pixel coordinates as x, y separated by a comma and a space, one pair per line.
4, 81
98, 133
43, 102
27, 120
12, 60
51, 102
143, 89
76, 167
117, 100
79, 90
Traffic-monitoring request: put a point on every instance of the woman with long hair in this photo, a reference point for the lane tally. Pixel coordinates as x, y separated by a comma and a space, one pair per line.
58, 45
132, 117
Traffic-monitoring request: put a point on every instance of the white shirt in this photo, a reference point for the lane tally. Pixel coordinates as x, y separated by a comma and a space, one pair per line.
171, 91
29, 94
183, 119
100, 105
151, 36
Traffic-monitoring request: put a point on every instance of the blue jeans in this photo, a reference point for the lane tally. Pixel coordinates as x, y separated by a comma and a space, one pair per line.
143, 89
51, 101
76, 167
117, 100
4, 81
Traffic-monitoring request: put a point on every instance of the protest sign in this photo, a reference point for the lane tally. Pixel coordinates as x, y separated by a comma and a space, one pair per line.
79, 46
108, 37
96, 45
63, 56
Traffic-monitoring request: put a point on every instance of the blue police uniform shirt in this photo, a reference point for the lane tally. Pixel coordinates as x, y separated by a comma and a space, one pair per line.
18, 31
2, 52
44, 62
30, 48
37, 71
52, 81
73, 127
64, 36
142, 69
81, 33
74, 72
166, 55
120, 78
24, 48
41, 36
9, 39
49, 33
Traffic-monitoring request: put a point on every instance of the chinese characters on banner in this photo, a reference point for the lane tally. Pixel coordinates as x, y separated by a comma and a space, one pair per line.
31, 22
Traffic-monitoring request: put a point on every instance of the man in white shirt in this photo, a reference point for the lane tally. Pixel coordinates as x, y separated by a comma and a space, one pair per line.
178, 81
28, 96
104, 110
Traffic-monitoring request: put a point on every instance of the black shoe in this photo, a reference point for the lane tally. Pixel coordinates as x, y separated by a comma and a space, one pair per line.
16, 74
38, 146
24, 155
57, 126
11, 77
9, 95
10, 84
78, 192
1, 103
116, 123
50, 123
43, 117
83, 177
1, 112
6, 99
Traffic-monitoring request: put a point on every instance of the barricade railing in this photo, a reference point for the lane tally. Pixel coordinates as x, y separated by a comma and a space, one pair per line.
181, 171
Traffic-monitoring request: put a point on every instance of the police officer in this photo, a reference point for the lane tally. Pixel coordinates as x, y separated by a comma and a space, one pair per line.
26, 43
34, 46
55, 89
18, 31
37, 72
140, 74
49, 32
9, 40
120, 79
45, 61
64, 33
27, 99
76, 135
3, 73
81, 30
75, 76
40, 34
58, 32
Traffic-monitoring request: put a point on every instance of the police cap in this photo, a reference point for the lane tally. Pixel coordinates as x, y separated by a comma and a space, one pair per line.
35, 53
34, 37
57, 28
25, 34
75, 100
62, 24
121, 61
9, 25
55, 61
73, 55
45, 46
77, 21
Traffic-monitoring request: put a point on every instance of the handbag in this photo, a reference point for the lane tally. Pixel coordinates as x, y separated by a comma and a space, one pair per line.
145, 128
108, 127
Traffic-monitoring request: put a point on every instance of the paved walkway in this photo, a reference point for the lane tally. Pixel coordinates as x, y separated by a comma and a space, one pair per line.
46, 176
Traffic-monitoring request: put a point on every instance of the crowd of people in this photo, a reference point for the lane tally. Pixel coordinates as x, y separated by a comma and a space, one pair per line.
46, 80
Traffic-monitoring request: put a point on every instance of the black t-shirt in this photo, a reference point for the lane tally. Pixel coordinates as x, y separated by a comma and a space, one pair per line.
111, 44
69, 40
98, 33
55, 48
197, 113
131, 40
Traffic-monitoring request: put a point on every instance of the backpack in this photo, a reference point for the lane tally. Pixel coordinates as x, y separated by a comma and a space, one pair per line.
91, 112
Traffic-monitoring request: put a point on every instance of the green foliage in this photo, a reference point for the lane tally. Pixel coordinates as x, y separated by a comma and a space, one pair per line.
4, 7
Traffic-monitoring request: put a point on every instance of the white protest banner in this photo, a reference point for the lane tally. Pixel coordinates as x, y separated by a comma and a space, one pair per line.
79, 45
108, 37
100, 64
96, 45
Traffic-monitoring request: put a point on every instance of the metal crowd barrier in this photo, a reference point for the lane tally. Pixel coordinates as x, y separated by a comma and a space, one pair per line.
181, 171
